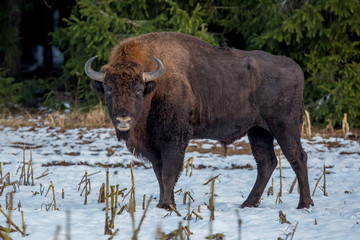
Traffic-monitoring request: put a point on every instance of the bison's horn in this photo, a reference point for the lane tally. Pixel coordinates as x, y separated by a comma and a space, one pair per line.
98, 76
151, 76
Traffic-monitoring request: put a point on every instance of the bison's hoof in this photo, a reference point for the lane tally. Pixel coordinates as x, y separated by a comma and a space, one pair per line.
159, 205
166, 206
305, 204
248, 204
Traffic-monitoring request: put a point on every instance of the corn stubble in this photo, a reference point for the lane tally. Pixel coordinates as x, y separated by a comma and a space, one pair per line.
181, 233
110, 197
239, 221
4, 231
211, 207
25, 175
189, 164
279, 195
53, 202
282, 220
318, 181
87, 187
110, 194
107, 225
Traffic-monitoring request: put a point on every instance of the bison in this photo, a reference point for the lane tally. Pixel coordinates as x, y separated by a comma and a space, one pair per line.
163, 89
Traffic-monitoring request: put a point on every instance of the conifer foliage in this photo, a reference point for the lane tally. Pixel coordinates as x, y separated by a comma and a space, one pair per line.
95, 27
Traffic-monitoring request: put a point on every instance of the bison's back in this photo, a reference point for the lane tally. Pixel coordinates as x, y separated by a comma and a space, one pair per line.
231, 89
216, 71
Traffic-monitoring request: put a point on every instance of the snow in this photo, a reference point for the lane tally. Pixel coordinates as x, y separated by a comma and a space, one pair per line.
337, 215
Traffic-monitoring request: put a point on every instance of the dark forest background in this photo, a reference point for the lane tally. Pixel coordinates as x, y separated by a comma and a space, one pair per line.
45, 43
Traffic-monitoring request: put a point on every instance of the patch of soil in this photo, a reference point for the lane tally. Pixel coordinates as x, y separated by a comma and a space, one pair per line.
94, 149
57, 163
237, 148
98, 164
84, 142
336, 132
72, 153
329, 145
349, 153
247, 166
26, 145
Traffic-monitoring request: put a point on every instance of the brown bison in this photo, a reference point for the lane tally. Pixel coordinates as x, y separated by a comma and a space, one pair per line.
201, 91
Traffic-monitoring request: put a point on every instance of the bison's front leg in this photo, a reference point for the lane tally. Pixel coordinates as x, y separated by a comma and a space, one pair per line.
172, 163
157, 167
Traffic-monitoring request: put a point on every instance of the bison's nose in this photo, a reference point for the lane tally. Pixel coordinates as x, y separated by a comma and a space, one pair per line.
126, 119
123, 123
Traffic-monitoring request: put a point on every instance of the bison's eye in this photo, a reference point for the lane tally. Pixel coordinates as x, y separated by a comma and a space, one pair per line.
139, 93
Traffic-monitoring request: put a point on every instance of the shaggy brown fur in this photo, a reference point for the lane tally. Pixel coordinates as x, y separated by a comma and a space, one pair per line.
130, 50
205, 92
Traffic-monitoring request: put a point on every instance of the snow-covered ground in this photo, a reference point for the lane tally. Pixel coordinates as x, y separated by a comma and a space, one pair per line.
335, 216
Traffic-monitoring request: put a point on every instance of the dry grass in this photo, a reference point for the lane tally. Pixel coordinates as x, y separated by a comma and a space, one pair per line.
345, 126
96, 118
306, 127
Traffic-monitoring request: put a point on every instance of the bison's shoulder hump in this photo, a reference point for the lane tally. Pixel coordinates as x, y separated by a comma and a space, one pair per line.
130, 50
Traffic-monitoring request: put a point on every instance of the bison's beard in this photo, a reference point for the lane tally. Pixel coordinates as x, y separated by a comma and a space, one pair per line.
122, 135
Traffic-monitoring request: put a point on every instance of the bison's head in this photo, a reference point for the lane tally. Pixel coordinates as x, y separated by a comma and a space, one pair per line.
126, 87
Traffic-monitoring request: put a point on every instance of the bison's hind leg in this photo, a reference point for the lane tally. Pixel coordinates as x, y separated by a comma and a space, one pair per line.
288, 137
261, 142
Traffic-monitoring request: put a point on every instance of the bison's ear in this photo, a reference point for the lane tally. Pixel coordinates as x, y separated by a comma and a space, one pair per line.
97, 87
150, 87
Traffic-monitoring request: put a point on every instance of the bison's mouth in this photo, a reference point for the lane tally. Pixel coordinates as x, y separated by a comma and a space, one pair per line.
123, 127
